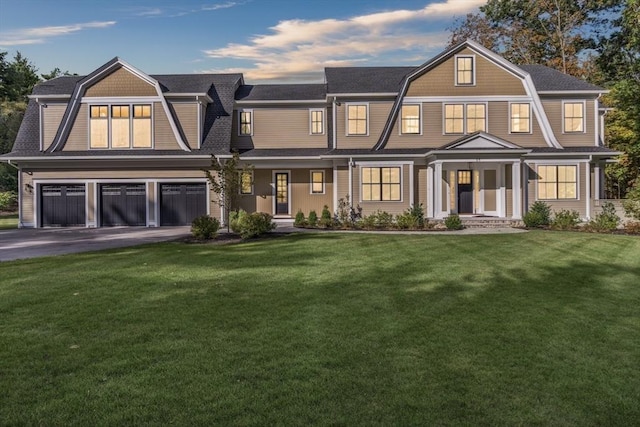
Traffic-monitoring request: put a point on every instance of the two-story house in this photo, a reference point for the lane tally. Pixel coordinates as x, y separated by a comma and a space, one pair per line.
467, 132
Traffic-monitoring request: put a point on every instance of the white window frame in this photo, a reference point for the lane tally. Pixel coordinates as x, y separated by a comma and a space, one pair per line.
251, 123
419, 105
363, 165
346, 118
252, 187
324, 121
558, 163
464, 116
473, 70
511, 131
311, 172
131, 105
584, 116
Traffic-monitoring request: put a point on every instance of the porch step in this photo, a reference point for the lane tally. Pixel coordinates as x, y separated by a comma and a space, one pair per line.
477, 222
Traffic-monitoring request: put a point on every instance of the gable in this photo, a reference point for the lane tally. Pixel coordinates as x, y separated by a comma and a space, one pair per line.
480, 140
121, 82
491, 79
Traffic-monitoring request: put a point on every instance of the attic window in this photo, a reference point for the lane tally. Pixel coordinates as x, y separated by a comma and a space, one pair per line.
246, 123
112, 126
465, 72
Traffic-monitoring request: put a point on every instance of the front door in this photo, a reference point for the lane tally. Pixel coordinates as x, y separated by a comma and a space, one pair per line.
465, 192
282, 193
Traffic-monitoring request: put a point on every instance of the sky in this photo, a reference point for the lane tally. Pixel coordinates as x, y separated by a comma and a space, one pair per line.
266, 40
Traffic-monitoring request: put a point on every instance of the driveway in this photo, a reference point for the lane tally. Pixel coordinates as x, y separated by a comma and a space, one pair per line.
31, 243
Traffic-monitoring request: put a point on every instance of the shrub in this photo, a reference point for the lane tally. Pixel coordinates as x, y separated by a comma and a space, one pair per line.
343, 214
377, 220
632, 204
539, 215
7, 200
453, 222
313, 219
607, 220
255, 224
412, 218
632, 227
235, 218
565, 219
205, 227
325, 218
299, 221
418, 212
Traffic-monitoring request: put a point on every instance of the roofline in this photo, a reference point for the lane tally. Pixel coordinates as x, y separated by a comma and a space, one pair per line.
574, 153
284, 101
48, 96
189, 94
366, 94
281, 158
481, 151
569, 92
375, 156
124, 157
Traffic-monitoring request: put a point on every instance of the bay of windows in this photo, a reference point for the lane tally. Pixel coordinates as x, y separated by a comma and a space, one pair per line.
557, 182
114, 126
410, 119
381, 184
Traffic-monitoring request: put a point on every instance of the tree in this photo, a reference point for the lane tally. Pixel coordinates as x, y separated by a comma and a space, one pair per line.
226, 180
56, 72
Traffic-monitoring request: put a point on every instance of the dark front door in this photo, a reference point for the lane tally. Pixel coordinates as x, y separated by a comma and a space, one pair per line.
180, 204
465, 192
63, 205
282, 193
123, 204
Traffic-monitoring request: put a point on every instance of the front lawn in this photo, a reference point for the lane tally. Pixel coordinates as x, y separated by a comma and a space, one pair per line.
535, 328
8, 221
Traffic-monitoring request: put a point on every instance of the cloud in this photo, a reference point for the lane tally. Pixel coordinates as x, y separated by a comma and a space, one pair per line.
150, 12
299, 47
25, 36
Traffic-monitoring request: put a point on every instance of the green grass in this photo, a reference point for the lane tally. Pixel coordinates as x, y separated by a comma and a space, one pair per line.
8, 221
536, 328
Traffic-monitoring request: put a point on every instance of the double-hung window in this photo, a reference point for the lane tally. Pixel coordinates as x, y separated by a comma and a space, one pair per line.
520, 118
246, 182
557, 182
381, 184
573, 116
465, 118
464, 71
357, 119
316, 119
317, 182
246, 123
476, 117
410, 119
115, 127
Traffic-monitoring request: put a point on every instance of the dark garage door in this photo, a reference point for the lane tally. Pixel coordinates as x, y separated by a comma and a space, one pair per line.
181, 203
63, 205
123, 204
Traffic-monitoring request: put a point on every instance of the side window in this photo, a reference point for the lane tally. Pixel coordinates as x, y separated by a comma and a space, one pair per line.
573, 116
357, 119
464, 70
316, 120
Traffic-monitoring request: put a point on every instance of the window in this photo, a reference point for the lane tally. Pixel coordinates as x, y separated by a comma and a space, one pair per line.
246, 123
454, 118
410, 118
357, 119
381, 184
317, 122
557, 182
246, 182
317, 182
573, 116
476, 117
465, 118
464, 70
114, 127
520, 118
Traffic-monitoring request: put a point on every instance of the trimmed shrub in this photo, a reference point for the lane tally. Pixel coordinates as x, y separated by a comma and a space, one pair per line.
539, 215
453, 222
313, 219
205, 227
7, 200
377, 220
235, 218
412, 218
632, 227
255, 224
565, 219
632, 204
418, 213
299, 220
326, 220
607, 220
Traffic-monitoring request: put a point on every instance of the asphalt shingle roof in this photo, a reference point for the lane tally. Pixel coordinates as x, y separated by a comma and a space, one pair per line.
548, 79
282, 92
365, 79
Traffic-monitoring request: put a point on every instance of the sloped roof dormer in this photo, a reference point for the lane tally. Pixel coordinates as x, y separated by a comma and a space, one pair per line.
99, 74
499, 61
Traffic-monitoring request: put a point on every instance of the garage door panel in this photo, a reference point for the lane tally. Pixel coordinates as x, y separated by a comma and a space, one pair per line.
123, 204
63, 205
180, 204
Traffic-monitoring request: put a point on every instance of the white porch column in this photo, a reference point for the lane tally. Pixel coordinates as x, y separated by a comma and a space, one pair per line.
430, 193
516, 185
437, 190
587, 173
597, 176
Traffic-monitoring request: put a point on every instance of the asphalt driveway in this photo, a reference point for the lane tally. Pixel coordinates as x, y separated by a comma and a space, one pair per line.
31, 243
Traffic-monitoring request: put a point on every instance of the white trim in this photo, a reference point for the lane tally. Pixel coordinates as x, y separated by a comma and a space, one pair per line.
596, 121
465, 98
311, 171
464, 117
399, 165
335, 187
20, 190
122, 157
119, 100
324, 121
574, 92
37, 97
501, 203
284, 101
251, 124
516, 193
584, 116
511, 132
587, 188
275, 191
346, 118
200, 124
597, 183
41, 125
110, 121
363, 94
430, 192
473, 69
540, 114
420, 115
411, 189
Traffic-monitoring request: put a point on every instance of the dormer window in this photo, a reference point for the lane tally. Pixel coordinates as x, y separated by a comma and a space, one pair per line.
465, 72
246, 123
112, 126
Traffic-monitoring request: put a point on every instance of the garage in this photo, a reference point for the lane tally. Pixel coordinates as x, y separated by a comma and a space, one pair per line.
123, 204
180, 203
63, 205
